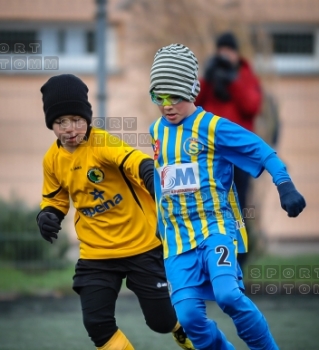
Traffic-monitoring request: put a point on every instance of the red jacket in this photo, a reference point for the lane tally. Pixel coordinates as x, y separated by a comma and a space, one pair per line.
246, 98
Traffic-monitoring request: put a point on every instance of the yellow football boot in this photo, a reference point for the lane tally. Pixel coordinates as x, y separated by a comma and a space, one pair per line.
181, 339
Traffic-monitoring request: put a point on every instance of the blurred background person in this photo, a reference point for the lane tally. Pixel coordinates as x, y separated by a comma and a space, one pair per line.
229, 88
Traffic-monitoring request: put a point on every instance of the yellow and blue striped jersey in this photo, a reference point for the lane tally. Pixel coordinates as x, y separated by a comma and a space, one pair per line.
195, 193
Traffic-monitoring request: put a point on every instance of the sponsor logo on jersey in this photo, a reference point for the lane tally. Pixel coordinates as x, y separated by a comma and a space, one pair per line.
104, 206
193, 146
179, 178
95, 175
97, 194
240, 224
156, 148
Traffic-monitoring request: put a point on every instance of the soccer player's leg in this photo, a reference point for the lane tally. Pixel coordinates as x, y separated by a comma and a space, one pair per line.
160, 316
98, 307
147, 279
220, 260
181, 338
189, 288
251, 325
117, 342
204, 332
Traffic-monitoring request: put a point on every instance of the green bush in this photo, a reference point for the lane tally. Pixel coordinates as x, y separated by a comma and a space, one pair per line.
21, 244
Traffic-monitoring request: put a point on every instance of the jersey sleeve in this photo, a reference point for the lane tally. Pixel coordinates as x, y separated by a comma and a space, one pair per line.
53, 195
241, 147
131, 165
125, 157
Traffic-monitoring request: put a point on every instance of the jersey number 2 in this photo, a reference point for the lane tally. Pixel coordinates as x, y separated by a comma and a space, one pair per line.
224, 253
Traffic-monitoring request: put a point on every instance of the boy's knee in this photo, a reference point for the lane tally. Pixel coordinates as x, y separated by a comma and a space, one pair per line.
228, 299
202, 331
187, 314
157, 325
159, 314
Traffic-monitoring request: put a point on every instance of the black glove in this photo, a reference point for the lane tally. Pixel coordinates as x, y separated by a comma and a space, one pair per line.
221, 72
290, 199
49, 225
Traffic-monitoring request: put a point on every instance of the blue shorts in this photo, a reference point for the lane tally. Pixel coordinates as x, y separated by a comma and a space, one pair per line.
190, 274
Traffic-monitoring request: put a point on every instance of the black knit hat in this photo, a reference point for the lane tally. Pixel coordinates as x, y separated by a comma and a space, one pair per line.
227, 39
65, 94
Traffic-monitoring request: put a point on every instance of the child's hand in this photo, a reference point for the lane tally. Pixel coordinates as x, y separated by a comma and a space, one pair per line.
49, 225
290, 199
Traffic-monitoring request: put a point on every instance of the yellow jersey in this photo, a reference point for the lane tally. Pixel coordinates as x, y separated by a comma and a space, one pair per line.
115, 214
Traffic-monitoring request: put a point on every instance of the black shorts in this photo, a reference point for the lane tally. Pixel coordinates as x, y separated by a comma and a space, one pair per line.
98, 283
144, 273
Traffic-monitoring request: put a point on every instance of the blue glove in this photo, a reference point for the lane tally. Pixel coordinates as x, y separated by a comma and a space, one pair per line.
290, 199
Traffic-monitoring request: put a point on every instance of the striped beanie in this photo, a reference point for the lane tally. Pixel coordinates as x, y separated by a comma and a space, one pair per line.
175, 72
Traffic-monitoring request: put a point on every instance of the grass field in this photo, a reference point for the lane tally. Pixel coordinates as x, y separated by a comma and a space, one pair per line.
16, 283
31, 319
56, 324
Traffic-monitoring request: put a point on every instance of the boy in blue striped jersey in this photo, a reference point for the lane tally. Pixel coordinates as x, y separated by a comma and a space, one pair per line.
201, 230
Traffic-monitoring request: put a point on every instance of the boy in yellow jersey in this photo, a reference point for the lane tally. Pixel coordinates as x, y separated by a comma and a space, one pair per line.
111, 187
195, 153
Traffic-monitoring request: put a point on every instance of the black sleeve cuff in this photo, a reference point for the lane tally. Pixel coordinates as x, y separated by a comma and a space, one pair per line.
146, 172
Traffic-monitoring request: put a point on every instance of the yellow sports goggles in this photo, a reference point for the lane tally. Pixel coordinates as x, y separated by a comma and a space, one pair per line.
165, 100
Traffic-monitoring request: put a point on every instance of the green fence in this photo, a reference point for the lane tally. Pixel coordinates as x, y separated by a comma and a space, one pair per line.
29, 251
